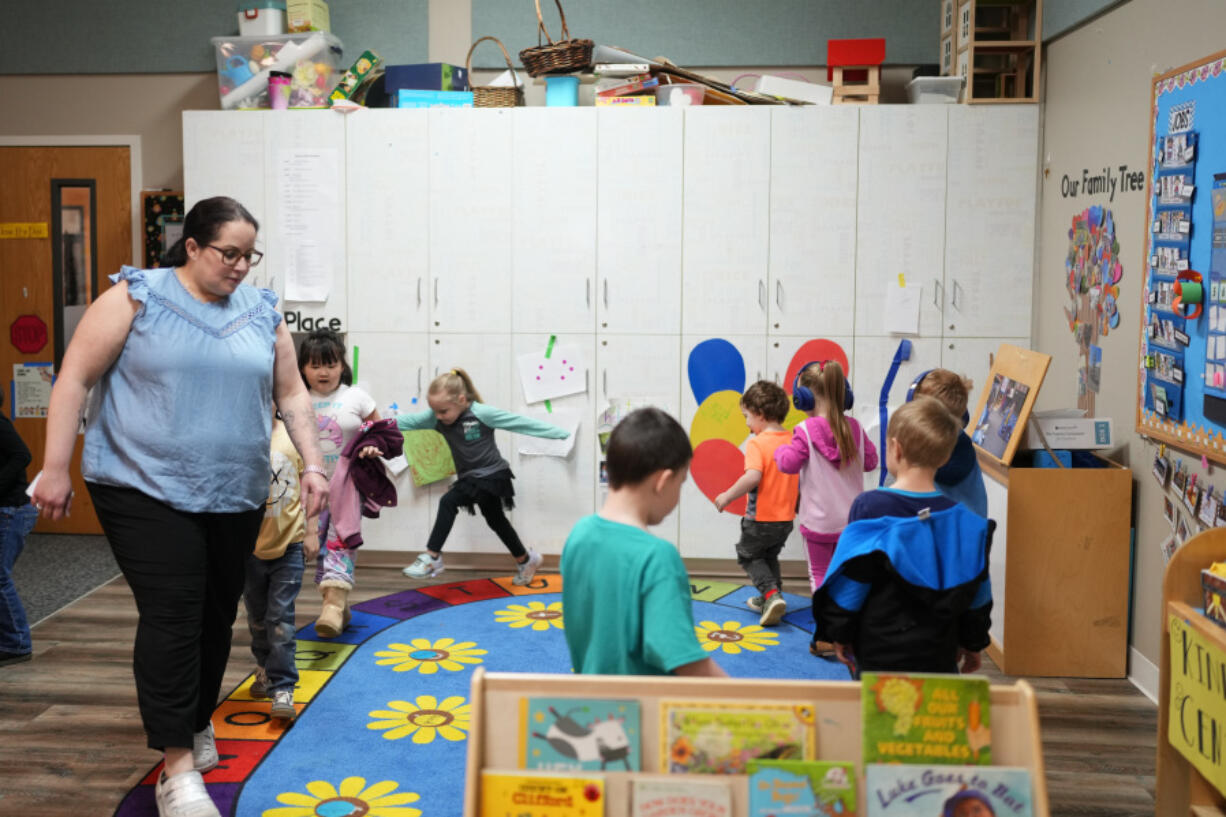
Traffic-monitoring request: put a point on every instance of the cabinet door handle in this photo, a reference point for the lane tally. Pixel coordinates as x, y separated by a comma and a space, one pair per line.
762, 294
586, 372
606, 293
436, 292
938, 293
779, 294
587, 293
957, 288
604, 382
419, 292
419, 381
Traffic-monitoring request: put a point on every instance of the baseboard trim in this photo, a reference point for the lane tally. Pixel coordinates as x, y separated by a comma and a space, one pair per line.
1143, 674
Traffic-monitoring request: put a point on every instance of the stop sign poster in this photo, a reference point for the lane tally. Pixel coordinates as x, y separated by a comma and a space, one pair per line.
28, 334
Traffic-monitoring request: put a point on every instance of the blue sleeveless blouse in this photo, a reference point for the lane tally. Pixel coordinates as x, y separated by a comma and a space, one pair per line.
184, 414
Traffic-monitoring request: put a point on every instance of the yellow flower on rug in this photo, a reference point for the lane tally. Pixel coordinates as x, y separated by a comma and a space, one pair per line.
535, 614
351, 798
425, 719
427, 658
732, 637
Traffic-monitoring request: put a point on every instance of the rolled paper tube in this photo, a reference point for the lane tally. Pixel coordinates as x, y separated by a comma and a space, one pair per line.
1190, 292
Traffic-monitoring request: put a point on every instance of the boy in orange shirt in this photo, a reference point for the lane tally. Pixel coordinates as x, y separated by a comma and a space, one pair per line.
772, 498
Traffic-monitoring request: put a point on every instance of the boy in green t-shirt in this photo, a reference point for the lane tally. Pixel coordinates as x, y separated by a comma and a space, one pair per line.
625, 592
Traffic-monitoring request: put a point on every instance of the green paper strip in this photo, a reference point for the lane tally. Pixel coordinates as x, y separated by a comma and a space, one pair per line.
549, 349
548, 407
355, 364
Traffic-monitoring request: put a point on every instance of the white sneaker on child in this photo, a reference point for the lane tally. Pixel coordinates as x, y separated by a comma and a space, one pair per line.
425, 567
283, 704
524, 571
204, 750
183, 795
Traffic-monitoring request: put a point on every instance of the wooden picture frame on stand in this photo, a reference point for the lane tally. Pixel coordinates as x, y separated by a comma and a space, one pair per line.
998, 423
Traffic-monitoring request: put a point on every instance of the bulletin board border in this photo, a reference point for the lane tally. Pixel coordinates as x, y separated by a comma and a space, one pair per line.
1208, 442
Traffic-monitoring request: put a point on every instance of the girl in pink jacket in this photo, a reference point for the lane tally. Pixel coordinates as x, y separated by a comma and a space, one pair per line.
831, 452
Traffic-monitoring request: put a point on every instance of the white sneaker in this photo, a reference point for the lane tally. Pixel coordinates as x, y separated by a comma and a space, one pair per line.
183, 795
426, 567
283, 705
204, 751
526, 570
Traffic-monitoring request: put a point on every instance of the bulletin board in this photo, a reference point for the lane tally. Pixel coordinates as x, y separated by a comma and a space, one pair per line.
1182, 372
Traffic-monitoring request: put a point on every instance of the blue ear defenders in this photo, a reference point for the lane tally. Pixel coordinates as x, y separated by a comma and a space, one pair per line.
803, 397
966, 415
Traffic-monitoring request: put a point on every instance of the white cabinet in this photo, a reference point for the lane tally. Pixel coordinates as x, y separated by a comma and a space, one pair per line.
990, 220
638, 220
812, 281
223, 155
471, 220
900, 210
726, 220
304, 154
553, 492
553, 247
487, 359
387, 194
972, 357
392, 369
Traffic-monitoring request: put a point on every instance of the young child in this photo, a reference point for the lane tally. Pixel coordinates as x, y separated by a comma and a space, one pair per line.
831, 453
772, 499
17, 518
274, 576
625, 592
908, 589
959, 479
340, 409
483, 477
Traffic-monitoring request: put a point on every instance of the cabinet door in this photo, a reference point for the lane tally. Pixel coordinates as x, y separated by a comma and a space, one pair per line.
900, 210
811, 288
873, 356
972, 357
392, 368
487, 359
647, 370
470, 219
726, 221
552, 493
304, 183
388, 203
223, 155
553, 241
990, 220
704, 531
638, 218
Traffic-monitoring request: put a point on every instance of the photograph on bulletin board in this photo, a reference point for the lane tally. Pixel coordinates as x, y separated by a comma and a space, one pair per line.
162, 214
998, 424
1181, 383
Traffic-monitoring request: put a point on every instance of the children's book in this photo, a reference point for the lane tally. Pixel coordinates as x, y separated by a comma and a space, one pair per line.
681, 797
580, 734
540, 794
802, 788
894, 790
717, 737
925, 718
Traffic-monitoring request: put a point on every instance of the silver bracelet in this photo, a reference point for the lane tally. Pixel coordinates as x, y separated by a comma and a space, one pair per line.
315, 469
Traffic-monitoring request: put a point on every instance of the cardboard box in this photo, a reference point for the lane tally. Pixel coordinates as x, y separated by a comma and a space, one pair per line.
1066, 430
426, 76
647, 101
416, 98
307, 15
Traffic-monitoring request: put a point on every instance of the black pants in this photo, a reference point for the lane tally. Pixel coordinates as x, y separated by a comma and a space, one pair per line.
186, 571
758, 552
490, 506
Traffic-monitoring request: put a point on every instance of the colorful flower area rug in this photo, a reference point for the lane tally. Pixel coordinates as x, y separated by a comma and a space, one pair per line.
384, 713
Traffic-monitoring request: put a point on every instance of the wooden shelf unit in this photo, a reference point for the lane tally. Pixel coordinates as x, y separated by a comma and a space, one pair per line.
493, 741
996, 45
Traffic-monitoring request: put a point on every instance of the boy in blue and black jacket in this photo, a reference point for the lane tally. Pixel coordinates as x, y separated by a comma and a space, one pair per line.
908, 589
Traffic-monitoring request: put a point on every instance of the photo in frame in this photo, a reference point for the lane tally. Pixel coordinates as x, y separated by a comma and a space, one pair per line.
1162, 469
1181, 530
999, 422
1168, 511
1209, 502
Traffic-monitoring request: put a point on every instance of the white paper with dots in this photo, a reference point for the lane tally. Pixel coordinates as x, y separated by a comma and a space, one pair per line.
560, 374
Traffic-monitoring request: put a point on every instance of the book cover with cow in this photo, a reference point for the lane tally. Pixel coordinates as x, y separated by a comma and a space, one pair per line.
580, 734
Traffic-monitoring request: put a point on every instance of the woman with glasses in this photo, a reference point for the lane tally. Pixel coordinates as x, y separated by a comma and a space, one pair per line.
185, 362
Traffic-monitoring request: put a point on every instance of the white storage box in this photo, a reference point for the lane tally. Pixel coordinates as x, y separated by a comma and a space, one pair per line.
1064, 429
261, 18
934, 89
243, 64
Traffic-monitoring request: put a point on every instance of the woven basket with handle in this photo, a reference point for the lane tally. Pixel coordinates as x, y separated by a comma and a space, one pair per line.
559, 57
495, 96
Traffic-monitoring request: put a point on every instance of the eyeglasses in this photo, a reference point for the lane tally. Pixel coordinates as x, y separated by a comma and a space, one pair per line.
230, 256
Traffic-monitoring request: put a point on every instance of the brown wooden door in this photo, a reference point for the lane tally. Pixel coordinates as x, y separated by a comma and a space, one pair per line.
89, 236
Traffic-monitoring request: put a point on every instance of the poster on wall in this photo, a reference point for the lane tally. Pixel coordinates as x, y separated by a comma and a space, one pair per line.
31, 389
1181, 383
1092, 279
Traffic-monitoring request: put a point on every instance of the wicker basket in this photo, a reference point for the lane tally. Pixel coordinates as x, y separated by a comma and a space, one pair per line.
560, 57
495, 96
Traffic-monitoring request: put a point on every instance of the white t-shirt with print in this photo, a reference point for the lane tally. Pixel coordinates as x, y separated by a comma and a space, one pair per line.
339, 415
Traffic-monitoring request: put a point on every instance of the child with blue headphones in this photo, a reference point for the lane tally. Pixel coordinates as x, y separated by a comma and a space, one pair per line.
959, 478
831, 453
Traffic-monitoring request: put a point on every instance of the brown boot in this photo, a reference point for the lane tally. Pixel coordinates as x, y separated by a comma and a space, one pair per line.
331, 621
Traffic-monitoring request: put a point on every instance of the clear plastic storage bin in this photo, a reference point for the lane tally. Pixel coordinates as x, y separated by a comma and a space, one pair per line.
313, 60
934, 89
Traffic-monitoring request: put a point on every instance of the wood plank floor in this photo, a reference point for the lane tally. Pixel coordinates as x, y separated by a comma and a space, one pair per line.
71, 741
